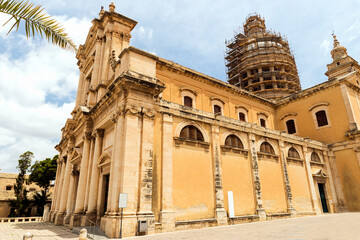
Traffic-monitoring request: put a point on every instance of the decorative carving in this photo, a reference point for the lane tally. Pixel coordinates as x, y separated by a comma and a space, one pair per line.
225, 148
98, 133
87, 135
179, 141
132, 110
126, 37
148, 113
114, 60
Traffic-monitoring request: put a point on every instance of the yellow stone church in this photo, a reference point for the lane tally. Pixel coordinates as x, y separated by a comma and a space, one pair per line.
192, 151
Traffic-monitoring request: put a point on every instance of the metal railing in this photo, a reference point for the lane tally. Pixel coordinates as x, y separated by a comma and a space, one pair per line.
92, 226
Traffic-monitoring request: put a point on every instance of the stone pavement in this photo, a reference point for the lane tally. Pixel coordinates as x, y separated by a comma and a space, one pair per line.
40, 230
344, 226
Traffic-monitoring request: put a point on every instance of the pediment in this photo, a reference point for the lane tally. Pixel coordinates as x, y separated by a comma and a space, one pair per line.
319, 173
75, 156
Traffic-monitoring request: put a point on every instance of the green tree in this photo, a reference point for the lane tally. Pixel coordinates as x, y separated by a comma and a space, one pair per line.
36, 21
21, 203
42, 172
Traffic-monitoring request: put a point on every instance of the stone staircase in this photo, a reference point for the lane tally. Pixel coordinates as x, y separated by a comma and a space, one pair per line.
97, 235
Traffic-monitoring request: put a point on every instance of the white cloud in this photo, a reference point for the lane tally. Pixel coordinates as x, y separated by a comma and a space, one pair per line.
38, 83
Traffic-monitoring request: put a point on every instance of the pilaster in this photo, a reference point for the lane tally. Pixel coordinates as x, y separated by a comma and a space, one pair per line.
290, 206
167, 216
256, 178
89, 172
94, 184
333, 174
146, 170
114, 184
220, 212
313, 195
80, 197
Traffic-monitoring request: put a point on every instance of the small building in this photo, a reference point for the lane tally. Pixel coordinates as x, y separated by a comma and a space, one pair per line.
7, 181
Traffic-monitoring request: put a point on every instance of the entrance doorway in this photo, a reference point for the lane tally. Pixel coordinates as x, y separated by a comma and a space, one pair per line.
323, 197
106, 192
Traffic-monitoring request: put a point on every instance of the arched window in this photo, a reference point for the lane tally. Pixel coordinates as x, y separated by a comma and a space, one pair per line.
242, 116
217, 109
292, 153
188, 101
290, 124
233, 141
315, 157
192, 133
262, 122
321, 118
265, 147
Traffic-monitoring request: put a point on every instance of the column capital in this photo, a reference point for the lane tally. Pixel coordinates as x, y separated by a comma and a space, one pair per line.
98, 133
87, 136
148, 113
117, 113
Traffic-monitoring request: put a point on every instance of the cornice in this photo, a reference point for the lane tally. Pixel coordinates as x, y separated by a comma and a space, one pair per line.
200, 77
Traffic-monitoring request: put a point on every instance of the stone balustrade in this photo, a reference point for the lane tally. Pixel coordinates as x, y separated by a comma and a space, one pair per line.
21, 219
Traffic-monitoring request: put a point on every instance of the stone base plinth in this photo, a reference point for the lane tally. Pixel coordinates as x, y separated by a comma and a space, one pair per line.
167, 219
221, 216
59, 218
52, 215
292, 211
111, 224
75, 220
261, 213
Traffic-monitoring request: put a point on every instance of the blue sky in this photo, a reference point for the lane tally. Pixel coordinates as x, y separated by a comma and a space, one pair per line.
38, 81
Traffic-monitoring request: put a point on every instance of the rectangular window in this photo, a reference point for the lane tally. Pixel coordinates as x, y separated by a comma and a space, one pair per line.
290, 124
321, 118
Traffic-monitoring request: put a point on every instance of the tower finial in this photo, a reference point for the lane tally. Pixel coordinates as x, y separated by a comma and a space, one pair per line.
336, 42
112, 7
101, 13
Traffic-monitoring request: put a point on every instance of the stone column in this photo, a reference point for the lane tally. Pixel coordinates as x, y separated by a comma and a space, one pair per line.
89, 172
58, 197
167, 209
80, 197
55, 195
95, 73
100, 198
115, 166
290, 206
65, 188
314, 200
220, 212
69, 198
105, 62
94, 184
57, 182
256, 177
80, 89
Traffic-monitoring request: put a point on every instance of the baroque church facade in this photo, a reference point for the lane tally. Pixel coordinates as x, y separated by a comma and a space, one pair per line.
180, 144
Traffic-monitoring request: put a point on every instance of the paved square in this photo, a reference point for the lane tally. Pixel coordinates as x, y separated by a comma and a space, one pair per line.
344, 226
41, 231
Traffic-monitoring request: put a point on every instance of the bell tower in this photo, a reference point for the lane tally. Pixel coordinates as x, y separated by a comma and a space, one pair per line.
342, 62
109, 35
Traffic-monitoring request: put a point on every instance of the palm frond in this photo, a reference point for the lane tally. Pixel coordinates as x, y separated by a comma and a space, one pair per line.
36, 22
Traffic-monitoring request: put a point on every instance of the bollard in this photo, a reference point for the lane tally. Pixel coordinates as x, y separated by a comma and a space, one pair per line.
28, 236
83, 234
